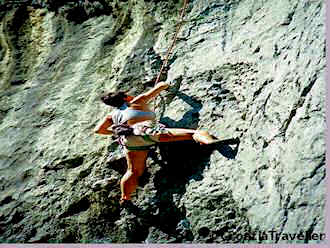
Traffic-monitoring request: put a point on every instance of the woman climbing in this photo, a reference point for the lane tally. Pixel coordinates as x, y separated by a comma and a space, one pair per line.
134, 123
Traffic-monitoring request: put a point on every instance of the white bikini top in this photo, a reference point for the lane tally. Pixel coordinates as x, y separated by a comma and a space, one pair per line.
124, 114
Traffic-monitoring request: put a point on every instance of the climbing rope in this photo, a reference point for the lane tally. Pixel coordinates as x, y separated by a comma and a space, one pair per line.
174, 40
179, 25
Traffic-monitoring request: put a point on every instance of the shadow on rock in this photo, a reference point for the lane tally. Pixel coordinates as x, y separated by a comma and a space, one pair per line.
225, 149
179, 163
190, 119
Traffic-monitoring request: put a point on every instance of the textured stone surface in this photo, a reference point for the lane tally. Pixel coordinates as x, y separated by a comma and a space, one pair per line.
248, 69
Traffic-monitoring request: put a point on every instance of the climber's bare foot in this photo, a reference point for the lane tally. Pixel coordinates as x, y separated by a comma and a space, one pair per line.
204, 138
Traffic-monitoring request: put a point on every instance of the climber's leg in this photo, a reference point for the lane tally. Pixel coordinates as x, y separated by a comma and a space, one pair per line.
135, 167
181, 134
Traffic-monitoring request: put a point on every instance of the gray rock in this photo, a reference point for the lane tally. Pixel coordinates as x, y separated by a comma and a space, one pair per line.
252, 70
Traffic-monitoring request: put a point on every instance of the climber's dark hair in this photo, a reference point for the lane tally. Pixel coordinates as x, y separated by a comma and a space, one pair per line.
116, 99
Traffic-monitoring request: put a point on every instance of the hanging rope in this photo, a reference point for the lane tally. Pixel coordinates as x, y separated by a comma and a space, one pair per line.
174, 40
179, 25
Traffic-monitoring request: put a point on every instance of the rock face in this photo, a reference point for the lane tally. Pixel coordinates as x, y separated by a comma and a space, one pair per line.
248, 69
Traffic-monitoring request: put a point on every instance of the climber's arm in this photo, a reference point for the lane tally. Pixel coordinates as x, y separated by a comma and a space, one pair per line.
102, 128
145, 97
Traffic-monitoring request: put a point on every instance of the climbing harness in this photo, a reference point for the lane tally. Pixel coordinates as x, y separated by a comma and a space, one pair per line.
122, 129
144, 130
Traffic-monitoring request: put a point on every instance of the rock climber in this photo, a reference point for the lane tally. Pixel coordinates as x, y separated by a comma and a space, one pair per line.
135, 124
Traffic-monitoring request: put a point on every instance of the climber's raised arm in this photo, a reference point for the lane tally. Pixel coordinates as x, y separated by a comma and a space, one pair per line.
150, 94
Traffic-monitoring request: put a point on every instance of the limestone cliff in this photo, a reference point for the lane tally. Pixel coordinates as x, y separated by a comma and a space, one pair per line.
241, 68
